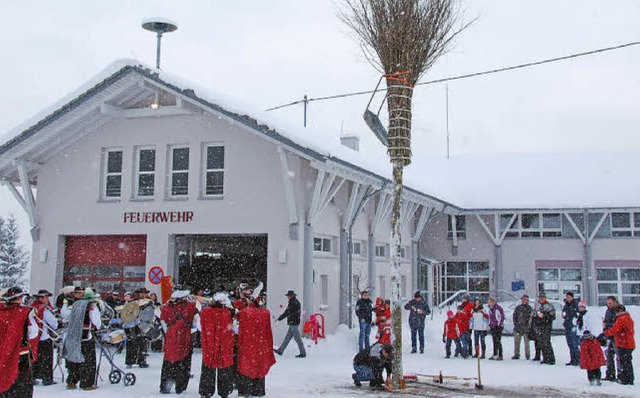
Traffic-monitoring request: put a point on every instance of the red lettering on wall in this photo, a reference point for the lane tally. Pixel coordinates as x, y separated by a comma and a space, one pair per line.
152, 217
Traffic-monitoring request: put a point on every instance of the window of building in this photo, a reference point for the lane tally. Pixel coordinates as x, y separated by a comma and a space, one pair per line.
461, 227
145, 172
381, 251
382, 286
624, 283
532, 225
324, 289
179, 170
557, 282
322, 245
472, 276
356, 248
214, 170
112, 183
625, 224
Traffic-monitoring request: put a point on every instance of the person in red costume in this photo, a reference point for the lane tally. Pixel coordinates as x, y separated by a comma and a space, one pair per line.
17, 331
255, 350
178, 316
217, 348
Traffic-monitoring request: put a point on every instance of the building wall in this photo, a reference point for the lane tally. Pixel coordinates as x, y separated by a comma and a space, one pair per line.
519, 255
253, 202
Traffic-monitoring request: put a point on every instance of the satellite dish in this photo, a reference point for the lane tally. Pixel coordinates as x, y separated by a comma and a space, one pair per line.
159, 26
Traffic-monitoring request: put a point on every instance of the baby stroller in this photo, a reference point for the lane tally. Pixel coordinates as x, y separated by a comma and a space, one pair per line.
110, 341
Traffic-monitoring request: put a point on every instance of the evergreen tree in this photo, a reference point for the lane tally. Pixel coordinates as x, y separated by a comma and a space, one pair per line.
14, 261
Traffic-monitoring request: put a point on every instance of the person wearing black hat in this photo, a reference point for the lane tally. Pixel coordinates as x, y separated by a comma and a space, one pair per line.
17, 331
419, 311
546, 315
136, 345
46, 321
292, 313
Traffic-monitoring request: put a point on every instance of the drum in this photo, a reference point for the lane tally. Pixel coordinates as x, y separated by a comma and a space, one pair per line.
151, 332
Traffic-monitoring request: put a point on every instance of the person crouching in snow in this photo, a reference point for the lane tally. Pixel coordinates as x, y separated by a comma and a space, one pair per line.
591, 358
369, 364
384, 331
452, 333
217, 348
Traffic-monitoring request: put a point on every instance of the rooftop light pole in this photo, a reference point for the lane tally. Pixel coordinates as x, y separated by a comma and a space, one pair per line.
159, 26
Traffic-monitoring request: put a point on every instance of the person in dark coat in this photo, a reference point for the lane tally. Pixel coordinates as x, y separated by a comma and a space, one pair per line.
136, 344
607, 323
546, 315
364, 309
370, 363
419, 311
569, 314
292, 313
521, 326
623, 331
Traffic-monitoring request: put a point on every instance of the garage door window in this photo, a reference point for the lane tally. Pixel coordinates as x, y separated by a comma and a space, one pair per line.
557, 282
107, 263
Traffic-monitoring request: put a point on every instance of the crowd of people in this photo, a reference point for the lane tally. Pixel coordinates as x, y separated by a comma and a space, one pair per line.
466, 330
237, 345
235, 336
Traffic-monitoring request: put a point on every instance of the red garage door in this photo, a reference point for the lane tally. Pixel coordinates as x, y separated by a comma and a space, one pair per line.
107, 263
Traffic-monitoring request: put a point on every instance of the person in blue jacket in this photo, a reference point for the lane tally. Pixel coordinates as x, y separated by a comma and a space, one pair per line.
419, 311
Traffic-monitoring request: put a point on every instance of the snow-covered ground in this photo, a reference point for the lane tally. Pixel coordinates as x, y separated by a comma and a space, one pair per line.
327, 370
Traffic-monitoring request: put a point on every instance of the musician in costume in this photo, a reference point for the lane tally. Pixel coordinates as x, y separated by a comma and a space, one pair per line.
217, 348
47, 324
83, 316
18, 331
255, 350
178, 317
136, 346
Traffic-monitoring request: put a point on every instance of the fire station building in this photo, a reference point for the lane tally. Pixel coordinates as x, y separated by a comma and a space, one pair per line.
138, 169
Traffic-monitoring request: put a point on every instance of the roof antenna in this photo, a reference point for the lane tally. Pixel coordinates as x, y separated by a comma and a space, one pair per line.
159, 26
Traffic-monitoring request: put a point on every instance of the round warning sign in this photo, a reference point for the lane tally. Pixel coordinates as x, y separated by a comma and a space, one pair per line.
155, 275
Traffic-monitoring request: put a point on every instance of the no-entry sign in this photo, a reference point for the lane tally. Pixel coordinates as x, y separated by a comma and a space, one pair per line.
155, 275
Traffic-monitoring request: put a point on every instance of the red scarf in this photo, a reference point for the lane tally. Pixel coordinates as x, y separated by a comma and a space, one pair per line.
217, 337
255, 343
12, 324
178, 317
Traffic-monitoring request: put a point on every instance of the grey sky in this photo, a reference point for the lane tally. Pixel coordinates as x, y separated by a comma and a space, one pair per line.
269, 52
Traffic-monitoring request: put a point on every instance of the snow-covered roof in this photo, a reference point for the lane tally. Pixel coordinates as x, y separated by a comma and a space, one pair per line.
557, 181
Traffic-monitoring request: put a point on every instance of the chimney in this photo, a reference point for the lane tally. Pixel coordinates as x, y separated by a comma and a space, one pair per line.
351, 141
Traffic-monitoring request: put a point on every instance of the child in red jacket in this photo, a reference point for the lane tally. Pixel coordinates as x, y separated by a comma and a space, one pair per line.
384, 331
591, 358
452, 333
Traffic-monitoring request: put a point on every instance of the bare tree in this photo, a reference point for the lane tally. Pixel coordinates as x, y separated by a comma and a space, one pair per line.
403, 39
